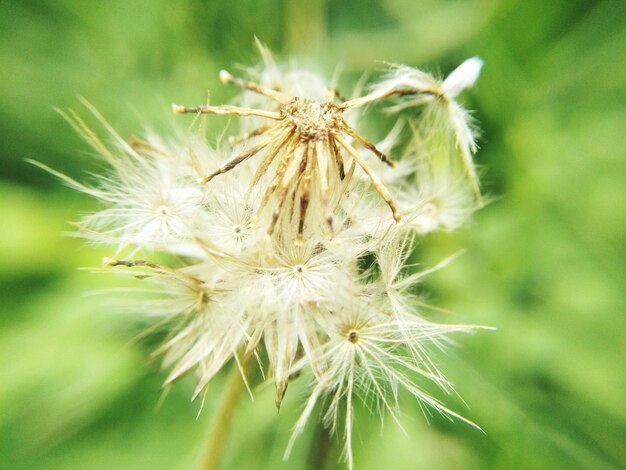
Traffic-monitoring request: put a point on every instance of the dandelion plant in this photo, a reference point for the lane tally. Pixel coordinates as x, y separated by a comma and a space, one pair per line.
294, 237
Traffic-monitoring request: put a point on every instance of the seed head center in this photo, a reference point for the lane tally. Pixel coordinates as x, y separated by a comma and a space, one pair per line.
353, 336
163, 211
312, 120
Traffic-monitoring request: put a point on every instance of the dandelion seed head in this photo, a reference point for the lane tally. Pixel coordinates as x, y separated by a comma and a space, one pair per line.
296, 237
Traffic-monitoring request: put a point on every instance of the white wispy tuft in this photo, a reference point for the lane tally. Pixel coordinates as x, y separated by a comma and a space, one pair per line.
464, 76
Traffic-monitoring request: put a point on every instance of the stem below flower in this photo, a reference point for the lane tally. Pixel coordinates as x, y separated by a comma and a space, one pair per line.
224, 419
322, 453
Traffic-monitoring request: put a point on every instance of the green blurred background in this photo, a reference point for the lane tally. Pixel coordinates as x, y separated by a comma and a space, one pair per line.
545, 261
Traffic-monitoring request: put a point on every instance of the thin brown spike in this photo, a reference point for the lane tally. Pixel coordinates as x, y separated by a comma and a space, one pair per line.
135, 263
372, 176
368, 145
305, 195
338, 158
282, 167
334, 92
242, 157
364, 100
322, 167
225, 110
269, 158
286, 184
227, 78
